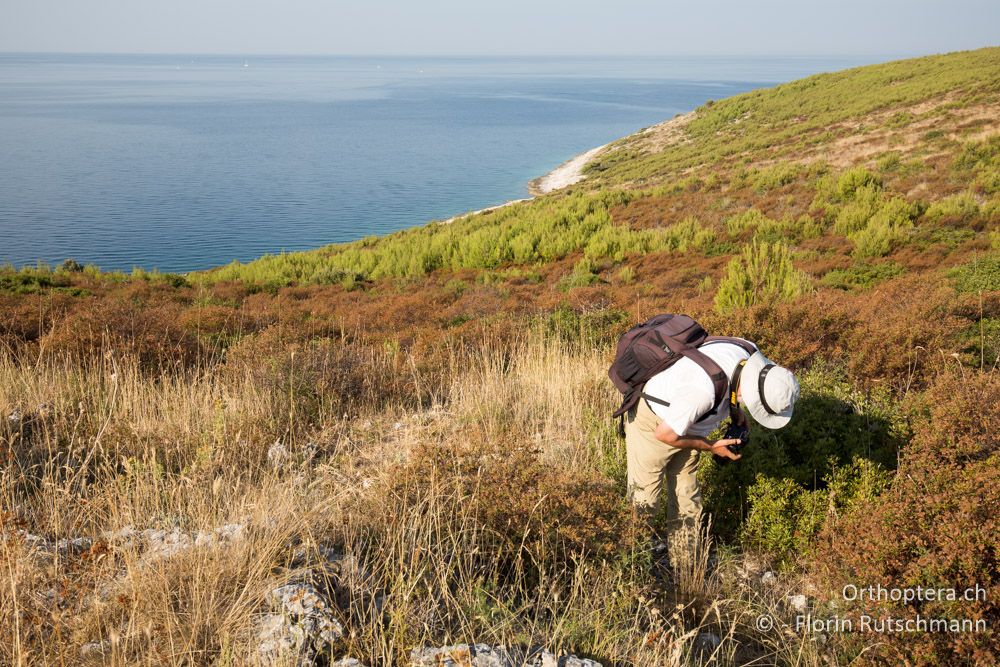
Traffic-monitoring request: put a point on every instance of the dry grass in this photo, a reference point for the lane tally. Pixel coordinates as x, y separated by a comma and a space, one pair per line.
866, 139
99, 447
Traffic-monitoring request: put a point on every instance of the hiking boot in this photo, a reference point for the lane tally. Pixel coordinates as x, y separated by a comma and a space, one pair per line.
660, 566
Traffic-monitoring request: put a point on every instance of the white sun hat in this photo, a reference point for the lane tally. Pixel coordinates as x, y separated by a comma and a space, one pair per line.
769, 391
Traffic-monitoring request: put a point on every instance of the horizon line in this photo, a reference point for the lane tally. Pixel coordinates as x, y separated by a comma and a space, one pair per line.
237, 54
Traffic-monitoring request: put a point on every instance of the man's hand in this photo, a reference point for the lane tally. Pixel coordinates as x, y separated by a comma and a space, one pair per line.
666, 435
721, 448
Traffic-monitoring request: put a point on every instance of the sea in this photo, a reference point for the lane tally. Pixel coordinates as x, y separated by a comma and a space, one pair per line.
185, 162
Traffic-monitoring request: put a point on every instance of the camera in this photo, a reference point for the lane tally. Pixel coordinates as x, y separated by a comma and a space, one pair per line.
741, 433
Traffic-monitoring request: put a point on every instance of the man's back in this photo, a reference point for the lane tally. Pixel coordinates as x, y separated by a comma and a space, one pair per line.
690, 393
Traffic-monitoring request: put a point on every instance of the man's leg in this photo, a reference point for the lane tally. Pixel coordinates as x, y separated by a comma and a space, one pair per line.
647, 459
684, 509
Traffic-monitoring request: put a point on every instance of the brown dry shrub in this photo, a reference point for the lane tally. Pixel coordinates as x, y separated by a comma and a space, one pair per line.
793, 334
319, 377
937, 527
24, 318
215, 322
531, 515
150, 331
906, 329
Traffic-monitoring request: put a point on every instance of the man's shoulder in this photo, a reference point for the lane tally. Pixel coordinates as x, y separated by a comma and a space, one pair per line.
684, 379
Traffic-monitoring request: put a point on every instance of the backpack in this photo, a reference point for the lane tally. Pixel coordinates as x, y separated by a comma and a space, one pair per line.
657, 344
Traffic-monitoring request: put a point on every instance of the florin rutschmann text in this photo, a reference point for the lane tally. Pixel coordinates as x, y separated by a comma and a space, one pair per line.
814, 622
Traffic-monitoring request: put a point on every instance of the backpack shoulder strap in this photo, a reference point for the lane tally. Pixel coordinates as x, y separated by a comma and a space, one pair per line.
747, 347
720, 383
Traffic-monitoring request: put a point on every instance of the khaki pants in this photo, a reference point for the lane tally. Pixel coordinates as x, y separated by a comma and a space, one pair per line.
658, 472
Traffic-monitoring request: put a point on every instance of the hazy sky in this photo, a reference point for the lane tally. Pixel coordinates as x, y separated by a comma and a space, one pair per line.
502, 27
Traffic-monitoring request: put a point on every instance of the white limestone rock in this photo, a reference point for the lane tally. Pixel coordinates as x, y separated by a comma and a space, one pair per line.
798, 602
302, 625
463, 655
483, 655
546, 659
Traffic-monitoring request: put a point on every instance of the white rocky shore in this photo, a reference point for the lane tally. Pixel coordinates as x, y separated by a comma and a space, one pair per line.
565, 175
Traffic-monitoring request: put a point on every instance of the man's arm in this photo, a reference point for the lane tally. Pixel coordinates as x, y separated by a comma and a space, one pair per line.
667, 435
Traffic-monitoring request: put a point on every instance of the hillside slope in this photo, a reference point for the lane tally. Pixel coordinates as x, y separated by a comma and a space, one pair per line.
405, 442
908, 121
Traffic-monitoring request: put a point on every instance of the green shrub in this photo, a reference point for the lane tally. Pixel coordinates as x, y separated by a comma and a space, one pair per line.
582, 275
889, 161
852, 180
861, 275
350, 282
154, 276
30, 280
888, 227
859, 209
981, 274
771, 524
808, 227
784, 518
749, 219
328, 275
763, 273
953, 210
521, 275
981, 160
775, 231
775, 176
834, 427
856, 190
542, 230
70, 266
952, 237
688, 234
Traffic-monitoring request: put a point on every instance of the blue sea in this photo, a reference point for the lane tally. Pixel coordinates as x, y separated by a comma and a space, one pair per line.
182, 162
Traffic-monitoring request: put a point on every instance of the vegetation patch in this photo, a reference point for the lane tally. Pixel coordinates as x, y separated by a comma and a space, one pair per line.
836, 451
861, 275
931, 528
762, 274
980, 275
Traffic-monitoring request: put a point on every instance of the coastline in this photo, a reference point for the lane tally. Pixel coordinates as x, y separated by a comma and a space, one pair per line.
568, 173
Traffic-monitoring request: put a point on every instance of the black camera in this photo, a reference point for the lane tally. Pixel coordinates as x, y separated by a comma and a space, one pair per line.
737, 432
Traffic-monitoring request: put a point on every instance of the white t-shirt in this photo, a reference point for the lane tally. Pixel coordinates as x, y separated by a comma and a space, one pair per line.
689, 390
